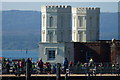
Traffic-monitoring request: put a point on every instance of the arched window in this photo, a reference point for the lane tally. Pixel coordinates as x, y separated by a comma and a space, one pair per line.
50, 37
80, 36
80, 21
51, 21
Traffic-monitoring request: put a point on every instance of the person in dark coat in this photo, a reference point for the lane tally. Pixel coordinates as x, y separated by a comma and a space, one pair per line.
40, 64
65, 64
28, 67
18, 69
7, 67
14, 68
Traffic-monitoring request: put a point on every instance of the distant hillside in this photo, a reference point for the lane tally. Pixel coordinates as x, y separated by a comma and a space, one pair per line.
21, 29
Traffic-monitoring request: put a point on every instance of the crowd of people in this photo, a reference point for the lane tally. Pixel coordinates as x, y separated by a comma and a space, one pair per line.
19, 67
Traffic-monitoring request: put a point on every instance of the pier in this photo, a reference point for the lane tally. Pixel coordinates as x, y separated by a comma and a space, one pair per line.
70, 77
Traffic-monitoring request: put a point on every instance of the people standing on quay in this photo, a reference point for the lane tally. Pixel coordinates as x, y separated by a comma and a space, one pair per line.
28, 68
18, 69
65, 64
21, 66
90, 62
54, 69
33, 66
48, 67
7, 67
14, 68
70, 66
40, 65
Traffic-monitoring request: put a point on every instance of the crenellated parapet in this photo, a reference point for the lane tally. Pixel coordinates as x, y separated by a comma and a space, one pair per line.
86, 10
56, 8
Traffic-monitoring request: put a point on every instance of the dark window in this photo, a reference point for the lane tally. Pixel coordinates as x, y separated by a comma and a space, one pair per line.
51, 21
51, 54
80, 21
51, 37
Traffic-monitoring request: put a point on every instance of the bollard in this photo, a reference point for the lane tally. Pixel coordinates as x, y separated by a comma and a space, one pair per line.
58, 71
66, 74
28, 70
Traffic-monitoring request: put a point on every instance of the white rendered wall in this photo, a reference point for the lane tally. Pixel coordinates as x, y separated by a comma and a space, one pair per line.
59, 54
62, 50
89, 31
60, 29
56, 21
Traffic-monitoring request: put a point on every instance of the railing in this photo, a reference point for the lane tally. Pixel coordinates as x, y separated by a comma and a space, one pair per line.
97, 68
82, 68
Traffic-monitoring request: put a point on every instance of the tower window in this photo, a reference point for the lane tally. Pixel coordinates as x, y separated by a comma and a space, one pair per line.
80, 21
51, 21
51, 54
80, 36
51, 37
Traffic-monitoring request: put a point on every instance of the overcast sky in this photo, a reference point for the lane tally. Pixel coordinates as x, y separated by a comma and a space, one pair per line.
35, 6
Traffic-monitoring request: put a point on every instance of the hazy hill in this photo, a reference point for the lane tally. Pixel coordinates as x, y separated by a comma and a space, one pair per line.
21, 29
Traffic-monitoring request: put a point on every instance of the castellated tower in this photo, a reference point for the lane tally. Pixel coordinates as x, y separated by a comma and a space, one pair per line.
56, 24
85, 24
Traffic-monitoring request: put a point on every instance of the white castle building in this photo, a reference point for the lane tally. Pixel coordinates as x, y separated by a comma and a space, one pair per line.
56, 40
85, 24
56, 23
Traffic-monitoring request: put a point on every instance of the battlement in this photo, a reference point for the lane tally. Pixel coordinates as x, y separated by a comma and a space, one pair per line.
58, 6
66, 8
88, 8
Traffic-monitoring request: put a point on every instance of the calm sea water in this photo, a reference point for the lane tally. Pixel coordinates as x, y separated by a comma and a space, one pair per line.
19, 54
